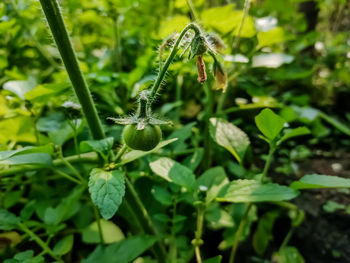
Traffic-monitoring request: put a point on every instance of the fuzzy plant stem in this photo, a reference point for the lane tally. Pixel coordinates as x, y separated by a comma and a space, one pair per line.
170, 58
64, 45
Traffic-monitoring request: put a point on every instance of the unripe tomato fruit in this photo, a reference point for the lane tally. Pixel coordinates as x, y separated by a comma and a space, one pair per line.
144, 140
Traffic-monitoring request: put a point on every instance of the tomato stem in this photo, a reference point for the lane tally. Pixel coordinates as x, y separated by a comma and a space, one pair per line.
170, 58
64, 45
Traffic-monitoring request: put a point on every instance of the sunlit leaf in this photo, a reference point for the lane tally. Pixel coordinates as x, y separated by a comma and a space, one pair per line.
110, 231
270, 37
135, 154
173, 171
230, 137
253, 191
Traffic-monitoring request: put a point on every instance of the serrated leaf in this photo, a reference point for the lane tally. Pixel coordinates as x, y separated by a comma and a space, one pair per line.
8, 221
135, 154
311, 181
63, 246
294, 133
269, 123
173, 171
107, 190
230, 137
243, 191
123, 251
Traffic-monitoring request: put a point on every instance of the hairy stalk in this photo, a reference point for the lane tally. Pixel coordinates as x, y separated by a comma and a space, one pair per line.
207, 158
170, 58
64, 45
40, 242
145, 221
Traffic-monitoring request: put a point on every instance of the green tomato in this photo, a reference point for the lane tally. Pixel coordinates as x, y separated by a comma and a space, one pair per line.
144, 140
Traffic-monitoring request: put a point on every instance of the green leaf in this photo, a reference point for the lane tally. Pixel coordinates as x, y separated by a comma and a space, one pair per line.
175, 24
63, 246
107, 190
213, 180
162, 195
311, 181
230, 137
216, 259
173, 172
101, 146
65, 209
19, 87
111, 233
263, 233
25, 150
44, 93
270, 37
269, 123
124, 251
182, 134
294, 133
25, 257
335, 122
288, 255
8, 221
225, 19
135, 154
253, 191
40, 159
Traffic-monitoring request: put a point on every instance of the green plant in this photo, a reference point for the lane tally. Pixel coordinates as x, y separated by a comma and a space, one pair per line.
160, 189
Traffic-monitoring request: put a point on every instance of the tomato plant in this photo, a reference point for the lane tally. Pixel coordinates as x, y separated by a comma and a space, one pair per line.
227, 143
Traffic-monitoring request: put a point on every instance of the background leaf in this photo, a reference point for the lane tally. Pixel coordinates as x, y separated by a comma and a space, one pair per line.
125, 250
311, 181
269, 123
